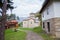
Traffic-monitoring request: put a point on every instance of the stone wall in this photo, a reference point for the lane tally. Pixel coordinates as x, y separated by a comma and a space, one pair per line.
57, 27
54, 26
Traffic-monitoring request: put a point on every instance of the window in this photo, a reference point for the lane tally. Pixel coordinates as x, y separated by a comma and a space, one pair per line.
47, 11
43, 15
43, 25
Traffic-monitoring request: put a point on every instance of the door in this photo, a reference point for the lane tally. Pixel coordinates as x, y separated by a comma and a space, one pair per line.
43, 25
48, 26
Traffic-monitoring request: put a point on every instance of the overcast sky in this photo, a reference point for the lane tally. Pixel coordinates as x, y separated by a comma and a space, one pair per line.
24, 7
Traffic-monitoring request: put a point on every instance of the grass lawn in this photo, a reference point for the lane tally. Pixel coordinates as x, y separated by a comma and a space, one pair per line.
42, 33
25, 28
11, 35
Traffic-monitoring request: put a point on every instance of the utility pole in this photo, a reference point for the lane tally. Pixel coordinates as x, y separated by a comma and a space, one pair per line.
3, 21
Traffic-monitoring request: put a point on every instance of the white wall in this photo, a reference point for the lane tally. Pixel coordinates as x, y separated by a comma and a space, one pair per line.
57, 9
28, 24
50, 11
31, 25
54, 11
25, 24
37, 24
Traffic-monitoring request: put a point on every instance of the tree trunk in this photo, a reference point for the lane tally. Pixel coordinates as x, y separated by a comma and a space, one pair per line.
2, 27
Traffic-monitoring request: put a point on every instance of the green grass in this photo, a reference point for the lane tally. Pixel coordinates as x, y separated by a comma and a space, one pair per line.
25, 28
42, 33
11, 35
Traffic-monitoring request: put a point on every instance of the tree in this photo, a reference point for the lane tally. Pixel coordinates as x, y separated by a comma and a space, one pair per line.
3, 19
20, 24
4, 5
12, 17
18, 18
7, 16
39, 17
11, 8
9, 4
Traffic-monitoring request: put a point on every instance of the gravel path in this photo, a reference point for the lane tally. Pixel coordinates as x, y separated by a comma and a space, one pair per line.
33, 36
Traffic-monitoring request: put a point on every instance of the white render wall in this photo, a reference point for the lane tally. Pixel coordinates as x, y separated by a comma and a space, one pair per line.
53, 10
50, 11
37, 24
57, 9
25, 24
30, 24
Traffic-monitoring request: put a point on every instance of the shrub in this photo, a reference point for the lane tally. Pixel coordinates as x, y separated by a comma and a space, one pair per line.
38, 29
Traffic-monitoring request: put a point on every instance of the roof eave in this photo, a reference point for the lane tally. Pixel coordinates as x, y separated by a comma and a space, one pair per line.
44, 5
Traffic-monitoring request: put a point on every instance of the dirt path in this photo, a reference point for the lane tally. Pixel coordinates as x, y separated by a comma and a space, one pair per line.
33, 36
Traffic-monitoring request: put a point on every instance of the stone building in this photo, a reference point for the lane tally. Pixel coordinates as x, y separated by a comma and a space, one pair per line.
51, 17
31, 21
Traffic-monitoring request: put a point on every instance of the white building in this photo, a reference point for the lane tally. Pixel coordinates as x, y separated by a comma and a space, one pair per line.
51, 17
31, 22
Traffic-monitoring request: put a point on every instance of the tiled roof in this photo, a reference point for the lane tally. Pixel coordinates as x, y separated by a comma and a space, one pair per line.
28, 19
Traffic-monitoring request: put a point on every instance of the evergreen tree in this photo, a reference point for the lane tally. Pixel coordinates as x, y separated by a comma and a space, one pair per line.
4, 5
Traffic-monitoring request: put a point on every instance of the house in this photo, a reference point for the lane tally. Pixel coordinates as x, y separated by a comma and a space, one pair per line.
51, 17
31, 21
11, 24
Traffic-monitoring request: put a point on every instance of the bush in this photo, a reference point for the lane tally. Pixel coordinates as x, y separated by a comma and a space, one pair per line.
38, 29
